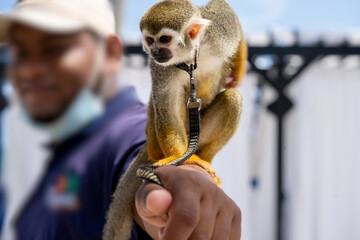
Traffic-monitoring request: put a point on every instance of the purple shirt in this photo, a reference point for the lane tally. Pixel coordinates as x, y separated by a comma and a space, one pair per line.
75, 193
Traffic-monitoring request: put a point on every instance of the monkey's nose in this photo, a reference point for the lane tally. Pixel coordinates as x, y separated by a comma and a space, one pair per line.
161, 55
157, 51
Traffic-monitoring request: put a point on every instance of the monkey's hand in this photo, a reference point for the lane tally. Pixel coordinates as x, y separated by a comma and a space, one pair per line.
193, 208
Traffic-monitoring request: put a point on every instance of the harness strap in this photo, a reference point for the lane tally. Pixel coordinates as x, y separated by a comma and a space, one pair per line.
194, 119
147, 171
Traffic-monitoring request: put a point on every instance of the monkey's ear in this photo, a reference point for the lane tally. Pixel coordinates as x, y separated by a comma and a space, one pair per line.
197, 27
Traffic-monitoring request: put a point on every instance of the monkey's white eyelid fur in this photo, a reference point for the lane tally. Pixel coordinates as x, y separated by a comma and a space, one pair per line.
169, 32
146, 34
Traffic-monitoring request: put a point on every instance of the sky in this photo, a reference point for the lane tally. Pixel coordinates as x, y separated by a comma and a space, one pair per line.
339, 16
263, 15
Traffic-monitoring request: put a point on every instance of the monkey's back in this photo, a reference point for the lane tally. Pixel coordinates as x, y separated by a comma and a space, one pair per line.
224, 30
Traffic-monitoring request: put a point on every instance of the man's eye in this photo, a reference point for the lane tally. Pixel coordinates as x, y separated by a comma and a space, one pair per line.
150, 40
165, 39
56, 50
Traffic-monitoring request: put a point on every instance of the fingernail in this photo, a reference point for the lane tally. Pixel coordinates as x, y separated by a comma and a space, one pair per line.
161, 233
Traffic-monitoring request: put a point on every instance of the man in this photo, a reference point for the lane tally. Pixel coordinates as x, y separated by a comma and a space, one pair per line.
65, 57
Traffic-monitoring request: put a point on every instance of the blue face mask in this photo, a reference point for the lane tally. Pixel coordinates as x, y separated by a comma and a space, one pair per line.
86, 107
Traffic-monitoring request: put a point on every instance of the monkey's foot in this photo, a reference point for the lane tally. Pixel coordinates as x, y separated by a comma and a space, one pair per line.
195, 160
164, 161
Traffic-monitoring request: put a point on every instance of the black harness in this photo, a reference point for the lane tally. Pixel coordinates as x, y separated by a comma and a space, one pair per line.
193, 105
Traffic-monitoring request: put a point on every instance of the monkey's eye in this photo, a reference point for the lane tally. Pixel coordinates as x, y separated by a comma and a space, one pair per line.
165, 39
150, 40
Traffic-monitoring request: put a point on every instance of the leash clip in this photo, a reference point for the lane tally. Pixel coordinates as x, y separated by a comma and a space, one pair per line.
193, 98
191, 71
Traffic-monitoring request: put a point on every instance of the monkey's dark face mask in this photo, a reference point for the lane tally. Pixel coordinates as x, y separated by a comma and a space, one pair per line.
161, 55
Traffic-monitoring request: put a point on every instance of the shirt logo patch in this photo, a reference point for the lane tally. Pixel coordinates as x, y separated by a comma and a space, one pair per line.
63, 195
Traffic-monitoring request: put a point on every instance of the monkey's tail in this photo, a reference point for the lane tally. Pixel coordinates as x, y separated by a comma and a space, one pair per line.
119, 219
239, 64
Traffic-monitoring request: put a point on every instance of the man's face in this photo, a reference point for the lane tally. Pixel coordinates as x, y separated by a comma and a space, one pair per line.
47, 71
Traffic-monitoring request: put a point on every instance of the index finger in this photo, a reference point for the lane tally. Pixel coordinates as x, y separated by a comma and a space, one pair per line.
184, 215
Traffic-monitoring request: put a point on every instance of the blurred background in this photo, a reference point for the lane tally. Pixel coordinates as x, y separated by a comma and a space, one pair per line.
293, 166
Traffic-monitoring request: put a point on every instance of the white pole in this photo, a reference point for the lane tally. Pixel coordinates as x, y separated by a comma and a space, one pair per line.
118, 6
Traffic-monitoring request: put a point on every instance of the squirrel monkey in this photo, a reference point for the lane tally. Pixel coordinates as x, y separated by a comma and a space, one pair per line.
173, 32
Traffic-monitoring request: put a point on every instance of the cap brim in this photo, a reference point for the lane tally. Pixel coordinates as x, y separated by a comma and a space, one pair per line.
49, 21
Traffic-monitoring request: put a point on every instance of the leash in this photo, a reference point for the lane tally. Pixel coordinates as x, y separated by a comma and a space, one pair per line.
193, 105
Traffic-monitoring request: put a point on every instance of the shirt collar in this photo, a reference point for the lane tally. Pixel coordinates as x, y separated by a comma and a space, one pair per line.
123, 100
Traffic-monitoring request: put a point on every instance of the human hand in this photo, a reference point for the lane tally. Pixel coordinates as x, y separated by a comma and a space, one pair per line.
190, 206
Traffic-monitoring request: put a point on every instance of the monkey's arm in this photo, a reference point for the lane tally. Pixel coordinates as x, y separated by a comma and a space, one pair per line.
153, 148
169, 126
169, 104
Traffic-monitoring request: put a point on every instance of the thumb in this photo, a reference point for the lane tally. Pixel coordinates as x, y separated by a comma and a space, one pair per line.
152, 203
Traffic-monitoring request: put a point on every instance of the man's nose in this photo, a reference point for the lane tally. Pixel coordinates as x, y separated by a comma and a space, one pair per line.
33, 69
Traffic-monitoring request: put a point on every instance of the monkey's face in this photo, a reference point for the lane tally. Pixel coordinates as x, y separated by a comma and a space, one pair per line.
167, 47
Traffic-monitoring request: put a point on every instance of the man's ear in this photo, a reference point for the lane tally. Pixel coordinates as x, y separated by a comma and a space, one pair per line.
197, 27
114, 53
114, 47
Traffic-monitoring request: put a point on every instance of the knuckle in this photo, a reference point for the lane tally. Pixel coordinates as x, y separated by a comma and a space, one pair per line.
188, 217
191, 178
237, 219
226, 231
162, 172
221, 200
237, 213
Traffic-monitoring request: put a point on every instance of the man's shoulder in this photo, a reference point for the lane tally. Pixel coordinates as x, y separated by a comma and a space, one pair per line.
110, 150
129, 126
124, 136
124, 131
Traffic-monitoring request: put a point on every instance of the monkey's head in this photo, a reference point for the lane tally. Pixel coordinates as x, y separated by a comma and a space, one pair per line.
172, 30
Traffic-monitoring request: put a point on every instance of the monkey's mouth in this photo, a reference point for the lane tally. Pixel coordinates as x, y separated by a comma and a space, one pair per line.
162, 59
